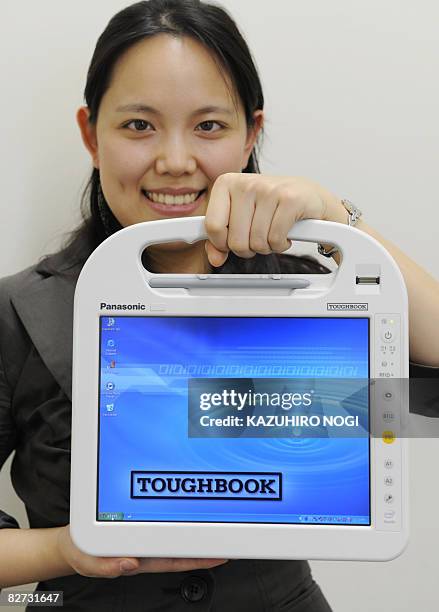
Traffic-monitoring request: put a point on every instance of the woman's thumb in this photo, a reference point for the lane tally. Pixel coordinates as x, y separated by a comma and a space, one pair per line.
216, 257
127, 565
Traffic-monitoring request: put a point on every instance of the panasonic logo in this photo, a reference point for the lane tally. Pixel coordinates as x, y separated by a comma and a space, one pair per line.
347, 306
138, 306
206, 485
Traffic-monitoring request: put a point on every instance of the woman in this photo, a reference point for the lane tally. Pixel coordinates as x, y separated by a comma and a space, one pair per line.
173, 117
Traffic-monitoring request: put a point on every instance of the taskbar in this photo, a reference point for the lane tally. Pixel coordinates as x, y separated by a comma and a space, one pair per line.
293, 519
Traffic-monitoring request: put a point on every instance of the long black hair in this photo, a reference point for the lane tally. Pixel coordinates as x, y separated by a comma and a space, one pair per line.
214, 28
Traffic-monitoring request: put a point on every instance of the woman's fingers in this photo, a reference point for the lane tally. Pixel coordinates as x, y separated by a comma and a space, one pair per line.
242, 209
113, 567
253, 213
155, 565
266, 207
216, 220
285, 216
215, 257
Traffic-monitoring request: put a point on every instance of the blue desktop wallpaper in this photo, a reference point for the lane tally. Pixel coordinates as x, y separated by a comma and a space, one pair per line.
145, 365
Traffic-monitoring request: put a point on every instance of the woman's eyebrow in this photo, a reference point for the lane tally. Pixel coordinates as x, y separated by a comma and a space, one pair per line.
143, 108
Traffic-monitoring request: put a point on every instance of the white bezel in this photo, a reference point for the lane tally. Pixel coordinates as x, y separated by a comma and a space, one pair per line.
114, 273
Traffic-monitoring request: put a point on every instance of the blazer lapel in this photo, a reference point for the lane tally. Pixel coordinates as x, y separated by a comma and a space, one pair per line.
46, 310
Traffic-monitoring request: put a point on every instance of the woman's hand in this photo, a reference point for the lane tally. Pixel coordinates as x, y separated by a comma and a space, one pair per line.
109, 567
253, 213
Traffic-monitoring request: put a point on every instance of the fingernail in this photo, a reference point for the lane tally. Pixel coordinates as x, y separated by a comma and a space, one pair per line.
127, 566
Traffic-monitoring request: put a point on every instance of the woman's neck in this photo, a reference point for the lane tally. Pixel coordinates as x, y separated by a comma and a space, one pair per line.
186, 261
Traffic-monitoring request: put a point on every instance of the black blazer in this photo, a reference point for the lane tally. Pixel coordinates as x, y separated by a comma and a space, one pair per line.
36, 315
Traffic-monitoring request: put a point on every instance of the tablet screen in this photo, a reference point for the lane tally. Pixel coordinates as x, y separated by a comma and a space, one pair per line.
234, 419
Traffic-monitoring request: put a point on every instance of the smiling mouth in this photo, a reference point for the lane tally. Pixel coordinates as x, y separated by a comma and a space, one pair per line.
169, 200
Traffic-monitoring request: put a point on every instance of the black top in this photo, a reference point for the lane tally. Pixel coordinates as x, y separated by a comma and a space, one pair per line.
36, 314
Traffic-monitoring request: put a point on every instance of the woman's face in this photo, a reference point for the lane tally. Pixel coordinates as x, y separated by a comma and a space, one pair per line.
180, 142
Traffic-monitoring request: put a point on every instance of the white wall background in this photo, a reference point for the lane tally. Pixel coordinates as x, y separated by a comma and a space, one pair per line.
351, 101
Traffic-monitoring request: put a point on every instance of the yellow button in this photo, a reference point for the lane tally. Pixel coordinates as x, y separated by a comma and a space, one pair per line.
388, 437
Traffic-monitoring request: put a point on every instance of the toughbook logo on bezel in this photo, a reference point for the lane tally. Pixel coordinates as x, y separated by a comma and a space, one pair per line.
347, 306
207, 485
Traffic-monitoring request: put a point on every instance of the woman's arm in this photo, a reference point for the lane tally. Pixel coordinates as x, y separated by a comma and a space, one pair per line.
422, 289
30, 555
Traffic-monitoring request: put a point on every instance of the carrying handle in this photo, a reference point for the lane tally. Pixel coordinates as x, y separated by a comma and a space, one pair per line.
218, 281
126, 246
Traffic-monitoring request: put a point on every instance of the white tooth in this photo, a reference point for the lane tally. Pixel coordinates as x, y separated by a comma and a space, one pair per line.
161, 198
171, 200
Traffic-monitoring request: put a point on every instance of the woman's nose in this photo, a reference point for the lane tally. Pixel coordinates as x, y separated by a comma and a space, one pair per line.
175, 157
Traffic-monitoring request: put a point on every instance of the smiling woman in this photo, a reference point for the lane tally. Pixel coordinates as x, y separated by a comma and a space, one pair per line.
157, 158
171, 106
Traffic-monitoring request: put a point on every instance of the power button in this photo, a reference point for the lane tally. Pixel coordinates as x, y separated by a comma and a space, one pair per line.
387, 335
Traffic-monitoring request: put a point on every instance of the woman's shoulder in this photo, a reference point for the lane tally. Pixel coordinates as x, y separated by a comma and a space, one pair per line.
62, 265
36, 310
13, 283
30, 289
13, 339
45, 267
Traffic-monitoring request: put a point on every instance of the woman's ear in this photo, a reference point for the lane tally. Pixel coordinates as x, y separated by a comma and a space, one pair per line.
88, 133
252, 135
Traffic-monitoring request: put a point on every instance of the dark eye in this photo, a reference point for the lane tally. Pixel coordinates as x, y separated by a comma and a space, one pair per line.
138, 123
210, 123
